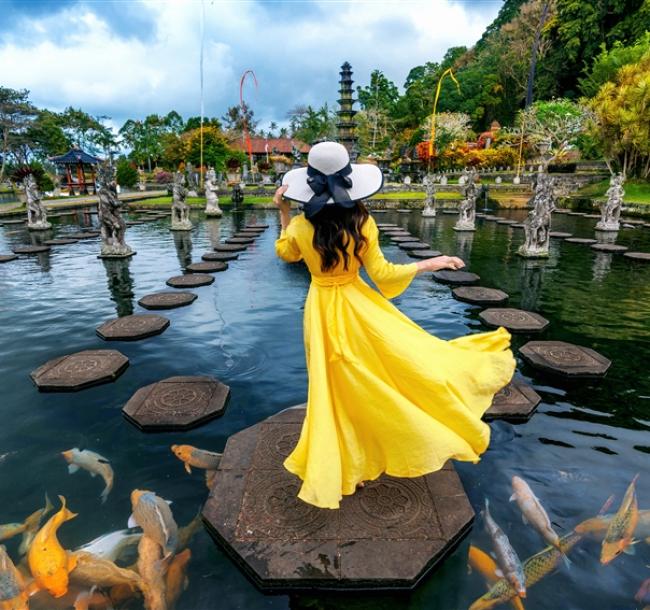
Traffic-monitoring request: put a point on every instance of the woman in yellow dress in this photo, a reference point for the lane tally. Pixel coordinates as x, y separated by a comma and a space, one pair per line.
385, 396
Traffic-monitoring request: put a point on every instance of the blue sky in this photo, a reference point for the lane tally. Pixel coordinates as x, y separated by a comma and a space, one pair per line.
129, 58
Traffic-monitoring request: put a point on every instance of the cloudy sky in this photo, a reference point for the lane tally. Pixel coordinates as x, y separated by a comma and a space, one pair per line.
129, 58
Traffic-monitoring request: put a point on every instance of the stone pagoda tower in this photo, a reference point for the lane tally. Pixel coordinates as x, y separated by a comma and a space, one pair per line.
346, 124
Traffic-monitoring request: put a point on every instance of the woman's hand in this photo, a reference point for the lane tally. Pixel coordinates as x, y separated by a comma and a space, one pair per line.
440, 262
283, 204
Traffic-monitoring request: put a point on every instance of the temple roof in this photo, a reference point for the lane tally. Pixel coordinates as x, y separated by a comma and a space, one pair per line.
75, 156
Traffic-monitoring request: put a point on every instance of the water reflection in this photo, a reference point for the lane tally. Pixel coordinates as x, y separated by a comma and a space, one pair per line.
607, 237
532, 281
120, 284
602, 266
183, 244
464, 241
43, 259
213, 229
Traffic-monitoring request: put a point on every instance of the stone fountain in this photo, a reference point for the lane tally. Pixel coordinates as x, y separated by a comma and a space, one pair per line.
610, 210
180, 210
430, 198
36, 212
211, 198
113, 227
467, 208
538, 224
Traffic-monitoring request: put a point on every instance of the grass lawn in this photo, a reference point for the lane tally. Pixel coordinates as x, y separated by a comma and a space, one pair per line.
636, 191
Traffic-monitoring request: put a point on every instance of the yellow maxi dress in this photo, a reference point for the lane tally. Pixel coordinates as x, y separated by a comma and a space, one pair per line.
385, 396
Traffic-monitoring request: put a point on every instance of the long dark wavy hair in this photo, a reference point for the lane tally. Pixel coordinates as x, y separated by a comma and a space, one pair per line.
334, 227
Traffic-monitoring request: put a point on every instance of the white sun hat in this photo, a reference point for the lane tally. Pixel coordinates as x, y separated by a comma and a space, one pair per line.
330, 178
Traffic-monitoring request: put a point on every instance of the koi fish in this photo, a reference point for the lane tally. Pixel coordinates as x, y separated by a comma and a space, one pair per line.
199, 458
618, 538
643, 594
598, 526
96, 571
33, 523
484, 564
111, 546
48, 561
533, 512
13, 594
535, 568
154, 516
93, 463
187, 532
176, 580
152, 569
92, 597
506, 557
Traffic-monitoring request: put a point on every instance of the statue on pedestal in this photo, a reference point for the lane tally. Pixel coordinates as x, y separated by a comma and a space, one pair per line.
36, 212
211, 198
297, 156
430, 197
467, 209
180, 210
610, 210
142, 180
538, 224
237, 195
192, 185
113, 227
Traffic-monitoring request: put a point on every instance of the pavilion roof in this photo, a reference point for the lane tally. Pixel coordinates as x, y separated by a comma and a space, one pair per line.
75, 156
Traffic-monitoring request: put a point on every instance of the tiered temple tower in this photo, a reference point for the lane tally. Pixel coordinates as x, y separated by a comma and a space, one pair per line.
346, 124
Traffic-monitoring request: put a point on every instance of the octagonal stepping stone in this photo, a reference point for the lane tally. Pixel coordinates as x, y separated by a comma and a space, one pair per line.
515, 403
207, 267
220, 256
190, 280
253, 235
506, 221
14, 222
517, 225
592, 216
257, 225
404, 211
177, 403
133, 327
167, 300
424, 253
240, 240
375, 211
638, 256
514, 320
402, 237
59, 242
630, 221
448, 276
492, 218
608, 248
5, 258
560, 234
80, 370
30, 249
480, 295
565, 359
83, 235
385, 225
230, 247
389, 534
580, 240
414, 245
561, 210
133, 223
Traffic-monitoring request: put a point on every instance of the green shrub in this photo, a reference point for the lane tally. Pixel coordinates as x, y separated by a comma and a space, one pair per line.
127, 174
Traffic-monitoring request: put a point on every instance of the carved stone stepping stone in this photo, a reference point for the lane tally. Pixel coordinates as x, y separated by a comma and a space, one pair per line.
580, 240
5, 258
506, 221
133, 223
404, 211
177, 403
414, 245
389, 534
559, 234
385, 225
83, 235
448, 276
608, 248
253, 235
565, 359
449, 211
592, 216
638, 256
167, 300
219, 256
30, 249
133, 327
561, 211
207, 267
257, 226
424, 253
515, 403
240, 240
517, 225
514, 320
480, 295
190, 280
633, 222
576, 213
80, 370
402, 237
14, 222
375, 211
492, 218
59, 242
230, 247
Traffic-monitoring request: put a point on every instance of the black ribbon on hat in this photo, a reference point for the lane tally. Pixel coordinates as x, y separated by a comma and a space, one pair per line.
329, 187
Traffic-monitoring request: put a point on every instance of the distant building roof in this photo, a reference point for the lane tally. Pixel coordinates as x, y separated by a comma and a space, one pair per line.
282, 146
74, 156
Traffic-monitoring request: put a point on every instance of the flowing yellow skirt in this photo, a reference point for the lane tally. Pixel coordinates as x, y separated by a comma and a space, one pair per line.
385, 396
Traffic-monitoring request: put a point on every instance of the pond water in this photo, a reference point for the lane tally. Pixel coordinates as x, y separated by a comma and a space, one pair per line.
586, 441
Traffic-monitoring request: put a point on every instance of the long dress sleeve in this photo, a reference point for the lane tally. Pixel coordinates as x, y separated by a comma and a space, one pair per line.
391, 279
286, 246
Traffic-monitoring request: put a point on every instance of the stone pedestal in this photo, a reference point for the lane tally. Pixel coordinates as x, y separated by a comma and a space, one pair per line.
464, 226
181, 224
116, 251
42, 225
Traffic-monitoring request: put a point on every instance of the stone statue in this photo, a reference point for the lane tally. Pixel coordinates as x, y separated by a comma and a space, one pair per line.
297, 156
192, 185
467, 209
36, 212
237, 195
211, 198
113, 227
142, 180
430, 197
180, 210
610, 210
538, 224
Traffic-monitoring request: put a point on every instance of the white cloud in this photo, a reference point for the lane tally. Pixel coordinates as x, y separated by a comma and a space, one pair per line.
75, 58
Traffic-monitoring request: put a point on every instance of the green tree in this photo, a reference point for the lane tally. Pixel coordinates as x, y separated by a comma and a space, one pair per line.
16, 116
194, 122
310, 125
47, 136
126, 174
238, 116
380, 94
86, 131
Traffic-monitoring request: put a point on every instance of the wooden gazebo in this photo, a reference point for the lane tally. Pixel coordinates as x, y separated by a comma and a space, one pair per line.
75, 164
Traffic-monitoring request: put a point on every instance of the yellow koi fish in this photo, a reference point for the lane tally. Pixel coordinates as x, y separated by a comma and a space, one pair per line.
13, 594
619, 536
482, 563
176, 580
199, 458
153, 569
